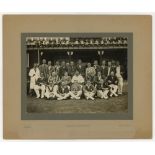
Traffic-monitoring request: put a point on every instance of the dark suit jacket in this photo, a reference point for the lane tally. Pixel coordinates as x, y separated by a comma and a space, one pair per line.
91, 88
111, 69
41, 81
81, 69
72, 70
44, 69
104, 71
96, 78
62, 70
100, 86
63, 90
68, 69
112, 80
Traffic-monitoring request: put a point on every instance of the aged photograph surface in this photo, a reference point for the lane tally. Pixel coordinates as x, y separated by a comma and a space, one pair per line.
75, 73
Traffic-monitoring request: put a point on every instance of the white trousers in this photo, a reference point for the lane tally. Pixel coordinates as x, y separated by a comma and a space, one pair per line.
75, 95
89, 94
60, 96
32, 82
120, 85
113, 89
102, 93
52, 93
37, 88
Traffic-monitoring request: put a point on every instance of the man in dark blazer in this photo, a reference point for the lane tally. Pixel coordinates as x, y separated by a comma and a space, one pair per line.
110, 68
80, 67
62, 69
68, 68
72, 69
44, 68
98, 77
50, 68
113, 65
104, 69
96, 66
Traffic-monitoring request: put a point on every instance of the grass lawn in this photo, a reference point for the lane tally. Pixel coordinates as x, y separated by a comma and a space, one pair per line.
114, 104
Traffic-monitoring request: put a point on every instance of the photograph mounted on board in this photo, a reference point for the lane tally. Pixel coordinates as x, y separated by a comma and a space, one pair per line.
77, 76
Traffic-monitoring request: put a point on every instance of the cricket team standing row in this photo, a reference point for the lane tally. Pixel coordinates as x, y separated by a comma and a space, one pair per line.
70, 80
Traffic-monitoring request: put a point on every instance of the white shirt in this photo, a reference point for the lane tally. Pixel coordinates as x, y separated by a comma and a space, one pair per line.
78, 78
99, 77
49, 68
34, 75
109, 68
118, 72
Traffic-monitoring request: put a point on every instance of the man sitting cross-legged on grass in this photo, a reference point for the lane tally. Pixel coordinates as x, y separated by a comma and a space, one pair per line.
101, 85
40, 85
89, 90
76, 90
62, 91
113, 84
51, 89
102, 89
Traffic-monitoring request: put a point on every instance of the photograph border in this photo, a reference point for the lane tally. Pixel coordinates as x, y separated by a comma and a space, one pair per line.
77, 116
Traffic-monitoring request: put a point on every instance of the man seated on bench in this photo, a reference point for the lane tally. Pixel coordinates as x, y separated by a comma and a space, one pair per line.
40, 85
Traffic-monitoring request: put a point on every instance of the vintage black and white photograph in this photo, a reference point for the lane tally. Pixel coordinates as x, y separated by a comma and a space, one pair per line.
84, 73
